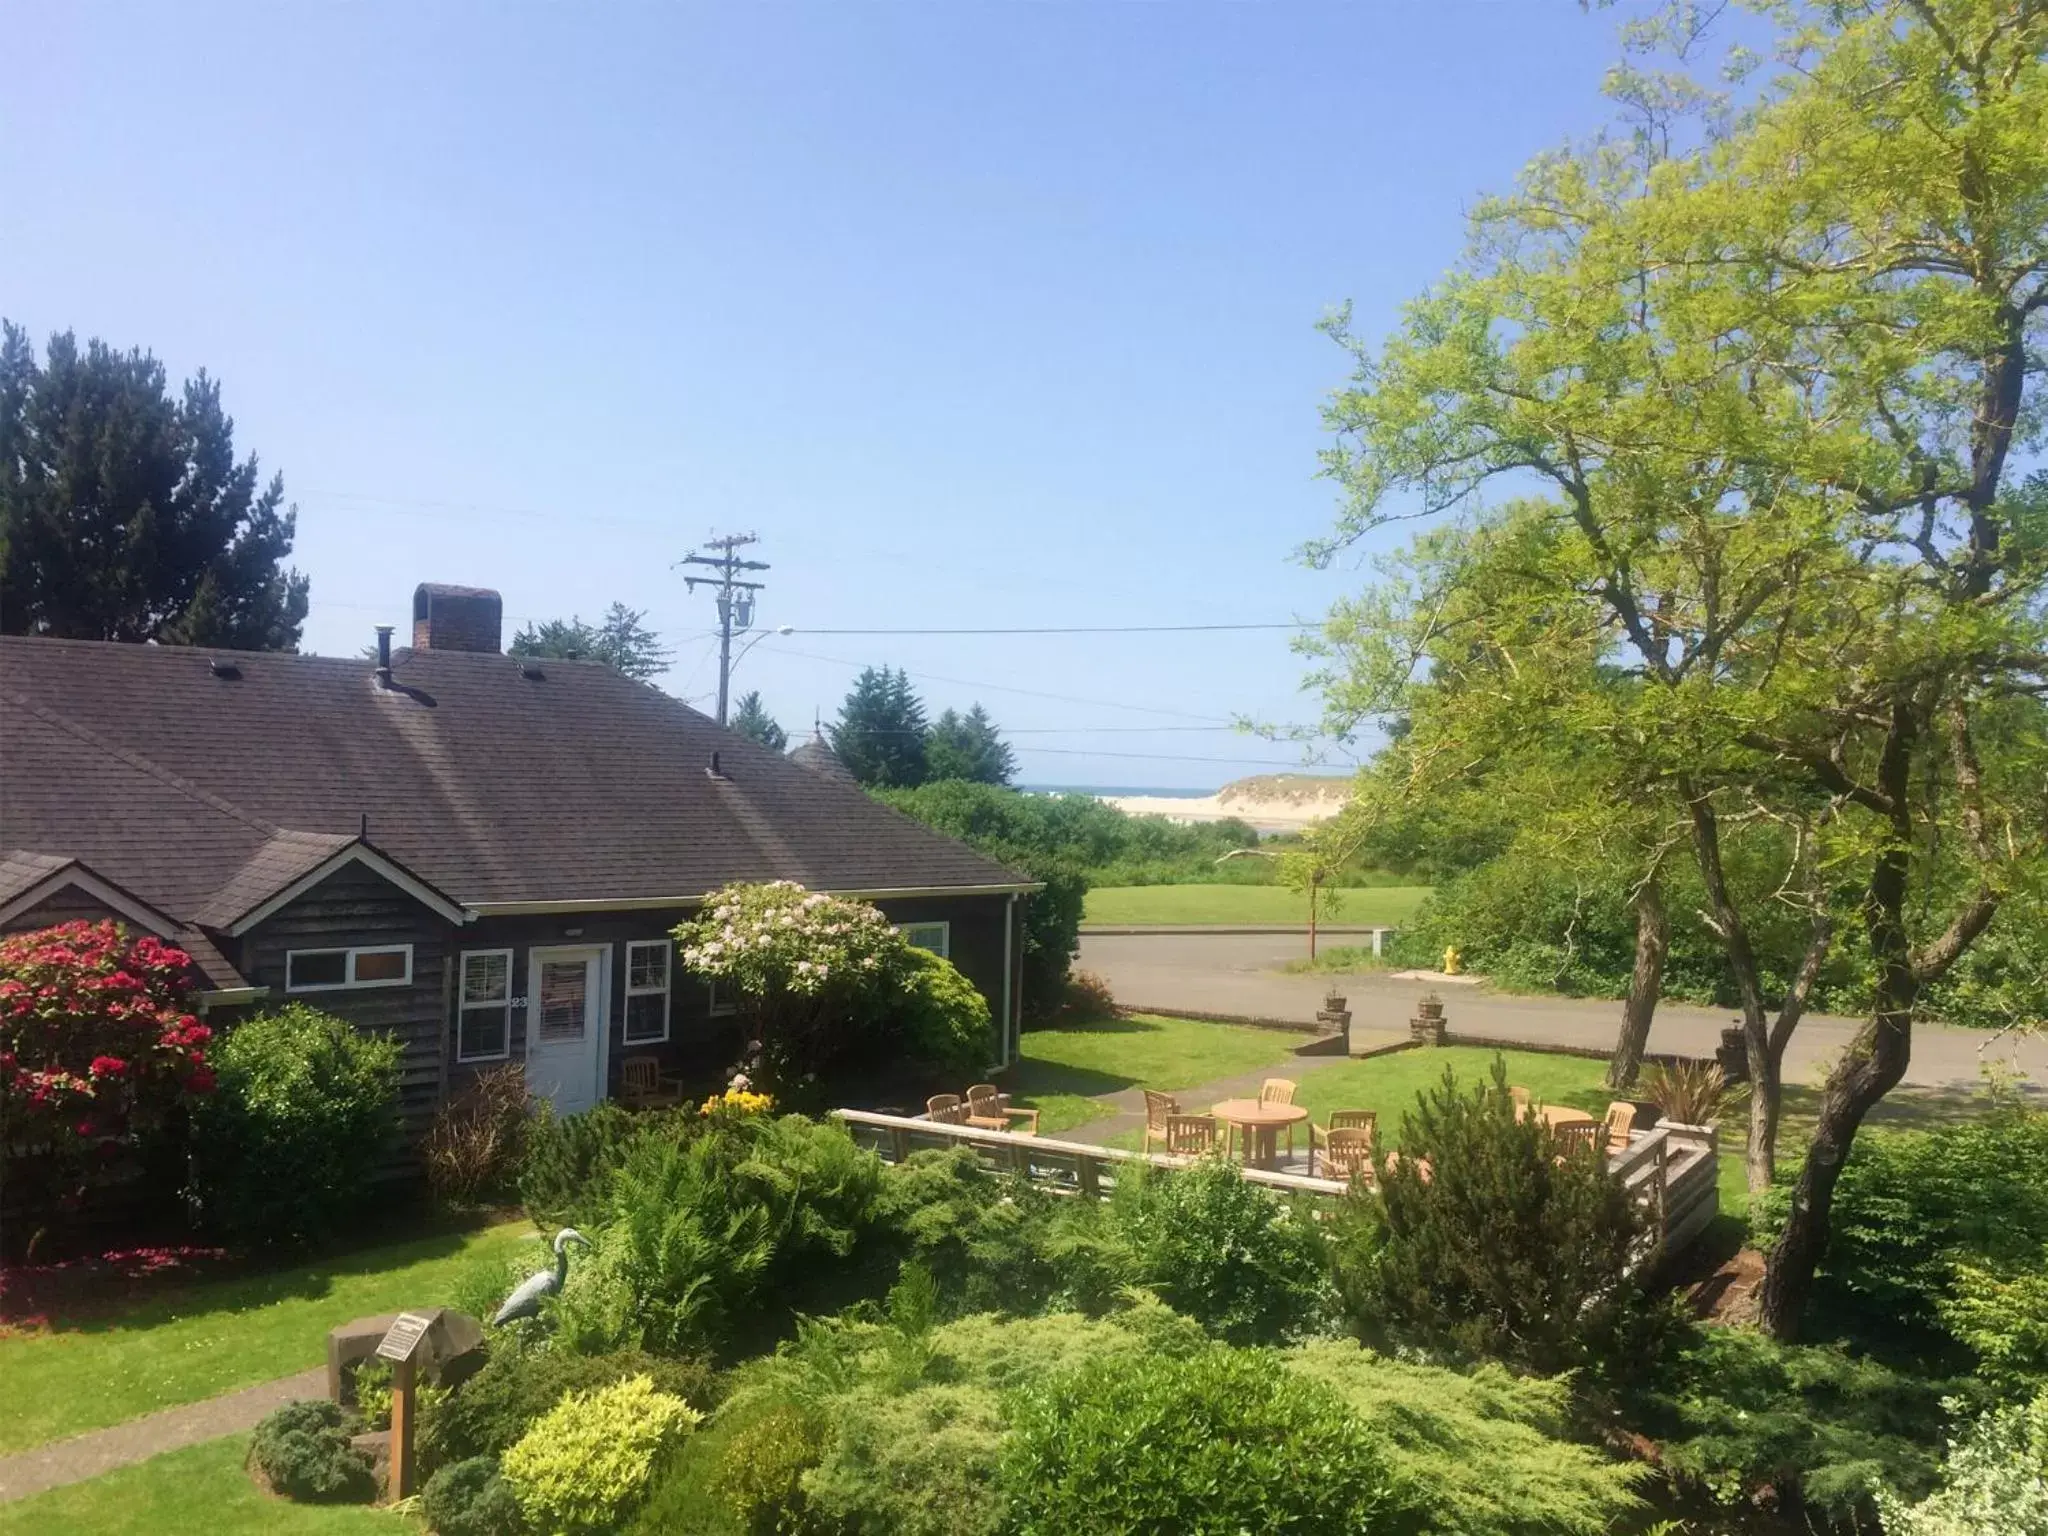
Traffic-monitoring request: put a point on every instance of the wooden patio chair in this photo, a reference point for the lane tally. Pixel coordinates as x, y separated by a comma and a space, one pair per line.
1157, 1107
1342, 1120
946, 1108
1521, 1097
1190, 1135
1621, 1119
1280, 1090
1580, 1133
986, 1109
1347, 1153
642, 1085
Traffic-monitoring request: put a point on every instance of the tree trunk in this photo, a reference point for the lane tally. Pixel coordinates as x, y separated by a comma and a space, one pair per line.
1761, 1154
1868, 1070
1639, 1008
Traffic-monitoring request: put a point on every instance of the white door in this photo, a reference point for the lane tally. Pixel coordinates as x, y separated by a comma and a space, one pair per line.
565, 1026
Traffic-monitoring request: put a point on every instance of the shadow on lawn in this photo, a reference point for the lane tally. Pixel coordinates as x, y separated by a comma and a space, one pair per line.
114, 1292
1029, 1080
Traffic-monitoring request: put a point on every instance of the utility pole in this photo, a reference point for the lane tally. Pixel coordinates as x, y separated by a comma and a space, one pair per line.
733, 611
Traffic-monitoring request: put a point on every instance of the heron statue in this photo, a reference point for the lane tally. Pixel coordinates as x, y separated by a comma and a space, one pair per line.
525, 1302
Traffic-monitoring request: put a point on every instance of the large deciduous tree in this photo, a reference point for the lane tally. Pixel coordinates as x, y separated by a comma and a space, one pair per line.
1768, 388
124, 514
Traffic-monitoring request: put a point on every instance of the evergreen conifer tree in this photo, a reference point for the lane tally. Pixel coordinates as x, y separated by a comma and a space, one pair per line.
752, 720
124, 514
881, 731
969, 747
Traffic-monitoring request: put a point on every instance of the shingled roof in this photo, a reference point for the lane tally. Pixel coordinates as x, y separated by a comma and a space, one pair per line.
502, 784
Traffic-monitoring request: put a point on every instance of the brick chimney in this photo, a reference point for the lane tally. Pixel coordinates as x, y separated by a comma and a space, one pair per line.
446, 618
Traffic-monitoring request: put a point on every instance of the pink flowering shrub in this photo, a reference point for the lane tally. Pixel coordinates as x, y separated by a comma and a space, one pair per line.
98, 1044
822, 982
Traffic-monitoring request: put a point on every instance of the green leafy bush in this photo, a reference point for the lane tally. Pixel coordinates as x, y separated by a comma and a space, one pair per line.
1485, 1452
305, 1112
986, 1238
1248, 1266
566, 1167
1994, 1483
943, 1020
1211, 1445
471, 1498
1801, 1427
2002, 1314
1509, 1249
1910, 1205
586, 1462
303, 1452
494, 1409
713, 1241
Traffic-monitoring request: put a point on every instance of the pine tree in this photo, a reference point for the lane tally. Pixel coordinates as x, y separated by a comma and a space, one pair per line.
881, 731
969, 747
753, 721
124, 514
622, 642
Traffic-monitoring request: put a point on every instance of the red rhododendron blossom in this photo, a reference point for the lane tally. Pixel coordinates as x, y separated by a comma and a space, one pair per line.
90, 1019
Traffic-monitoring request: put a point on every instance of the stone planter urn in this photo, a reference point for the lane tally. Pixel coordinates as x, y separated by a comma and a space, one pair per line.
1430, 1007
1733, 1056
1333, 1002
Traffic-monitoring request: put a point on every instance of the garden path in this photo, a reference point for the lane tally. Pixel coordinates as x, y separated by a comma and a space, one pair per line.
170, 1429
1124, 1111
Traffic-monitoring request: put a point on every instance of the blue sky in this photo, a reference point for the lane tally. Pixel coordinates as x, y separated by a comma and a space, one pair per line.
978, 314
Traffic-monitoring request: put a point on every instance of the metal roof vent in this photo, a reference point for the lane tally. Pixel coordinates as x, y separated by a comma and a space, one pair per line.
530, 670
715, 771
224, 669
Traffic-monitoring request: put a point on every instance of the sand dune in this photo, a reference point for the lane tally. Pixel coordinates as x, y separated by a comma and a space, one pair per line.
1272, 802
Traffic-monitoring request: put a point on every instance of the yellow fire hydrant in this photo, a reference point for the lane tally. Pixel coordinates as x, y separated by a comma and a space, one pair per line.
1450, 959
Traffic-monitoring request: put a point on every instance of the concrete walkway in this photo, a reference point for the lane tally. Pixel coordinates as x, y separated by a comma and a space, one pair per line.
171, 1429
1238, 974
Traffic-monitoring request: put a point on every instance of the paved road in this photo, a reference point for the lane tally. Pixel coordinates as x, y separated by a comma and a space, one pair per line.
1235, 974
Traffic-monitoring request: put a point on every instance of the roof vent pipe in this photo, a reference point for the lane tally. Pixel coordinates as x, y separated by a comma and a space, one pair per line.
714, 770
384, 655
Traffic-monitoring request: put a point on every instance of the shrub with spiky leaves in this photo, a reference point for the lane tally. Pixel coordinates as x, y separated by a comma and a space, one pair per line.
1505, 1246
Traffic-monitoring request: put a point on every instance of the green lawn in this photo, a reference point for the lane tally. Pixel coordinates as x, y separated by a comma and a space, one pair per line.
1062, 1071
201, 1488
1376, 906
215, 1336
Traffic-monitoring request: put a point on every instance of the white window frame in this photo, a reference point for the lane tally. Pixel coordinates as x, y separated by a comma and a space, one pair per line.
348, 965
464, 1009
719, 1006
945, 946
664, 991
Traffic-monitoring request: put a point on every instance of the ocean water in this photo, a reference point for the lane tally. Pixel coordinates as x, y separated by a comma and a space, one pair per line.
1114, 789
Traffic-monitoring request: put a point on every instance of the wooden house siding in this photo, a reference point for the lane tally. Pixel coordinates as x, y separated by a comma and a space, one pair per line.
69, 905
353, 908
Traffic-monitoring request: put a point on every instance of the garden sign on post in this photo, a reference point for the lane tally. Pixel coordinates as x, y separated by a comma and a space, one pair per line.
400, 1344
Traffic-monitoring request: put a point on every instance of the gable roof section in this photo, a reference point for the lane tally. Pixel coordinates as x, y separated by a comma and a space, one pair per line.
579, 790
29, 879
292, 863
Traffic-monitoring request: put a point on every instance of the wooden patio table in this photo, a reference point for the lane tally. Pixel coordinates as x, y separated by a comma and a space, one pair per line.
1261, 1124
1559, 1114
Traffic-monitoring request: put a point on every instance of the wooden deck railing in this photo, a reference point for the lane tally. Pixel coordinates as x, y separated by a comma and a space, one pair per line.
1670, 1170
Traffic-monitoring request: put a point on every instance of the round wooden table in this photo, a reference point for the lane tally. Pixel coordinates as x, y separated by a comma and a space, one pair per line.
1559, 1114
1261, 1125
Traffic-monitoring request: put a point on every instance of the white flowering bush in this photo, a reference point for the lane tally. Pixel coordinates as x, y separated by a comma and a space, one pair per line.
824, 982
779, 939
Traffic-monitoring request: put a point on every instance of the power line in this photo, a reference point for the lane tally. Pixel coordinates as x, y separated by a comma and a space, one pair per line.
1073, 629
1031, 693
1165, 757
733, 611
